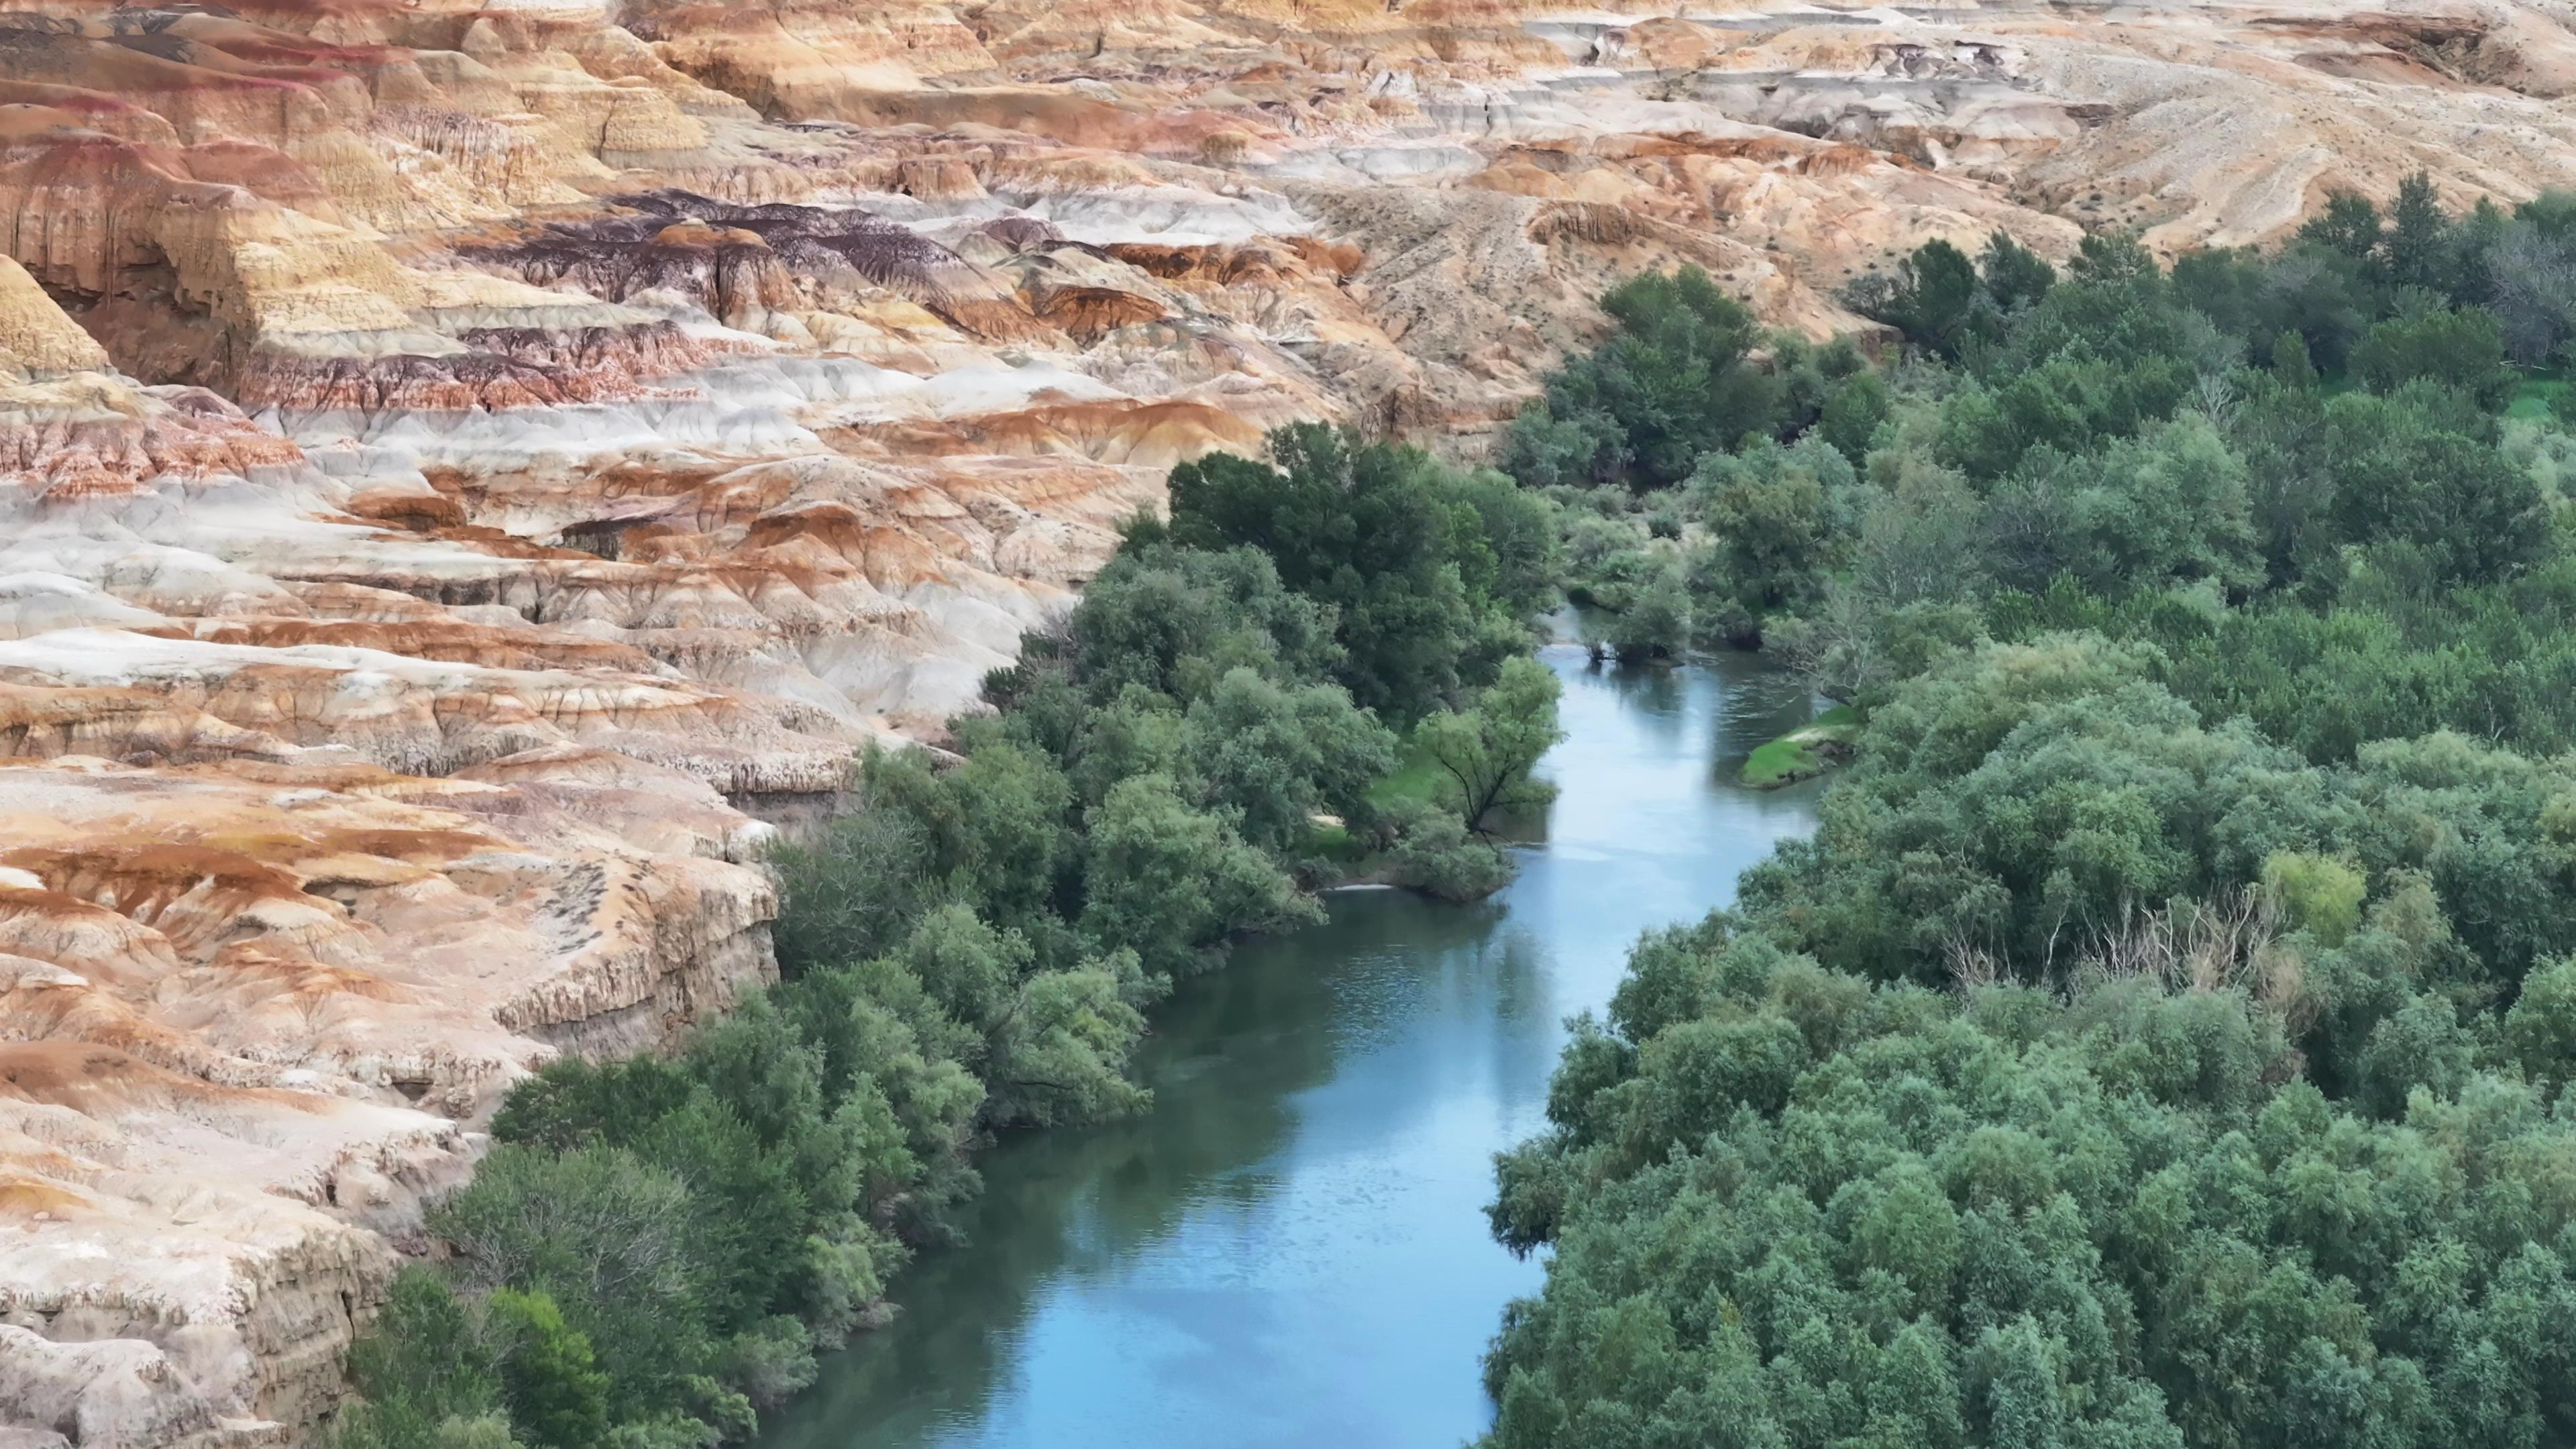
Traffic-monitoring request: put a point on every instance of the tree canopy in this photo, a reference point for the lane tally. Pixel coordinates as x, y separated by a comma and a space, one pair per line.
655, 1248
2165, 1037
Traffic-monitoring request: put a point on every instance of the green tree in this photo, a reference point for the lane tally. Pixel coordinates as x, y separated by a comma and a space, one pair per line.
2463, 350
2418, 244
556, 1398
1656, 624
2349, 225
1059, 1054
606, 1235
1275, 756
2172, 505
1783, 516
1783, 1203
1436, 854
965, 965
2320, 894
2420, 1046
2542, 1024
1171, 621
1853, 414
850, 895
2405, 473
1513, 535
1676, 379
2014, 275
2531, 272
1363, 530
748, 1215
1013, 847
425, 1373
1931, 297
1486, 754
1167, 880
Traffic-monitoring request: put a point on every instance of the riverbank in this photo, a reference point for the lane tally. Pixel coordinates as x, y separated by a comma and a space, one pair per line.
972, 949
1805, 752
1289, 1246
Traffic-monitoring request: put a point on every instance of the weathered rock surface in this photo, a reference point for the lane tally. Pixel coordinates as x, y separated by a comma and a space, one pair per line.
455, 459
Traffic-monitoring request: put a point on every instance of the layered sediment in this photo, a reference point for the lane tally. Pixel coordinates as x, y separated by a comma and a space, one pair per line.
460, 466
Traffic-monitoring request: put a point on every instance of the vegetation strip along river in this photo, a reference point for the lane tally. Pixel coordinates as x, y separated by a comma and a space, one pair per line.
1289, 1248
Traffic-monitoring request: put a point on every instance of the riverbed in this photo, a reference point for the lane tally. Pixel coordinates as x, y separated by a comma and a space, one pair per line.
1289, 1249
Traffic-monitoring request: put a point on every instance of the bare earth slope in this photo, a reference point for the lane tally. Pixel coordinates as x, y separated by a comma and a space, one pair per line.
459, 466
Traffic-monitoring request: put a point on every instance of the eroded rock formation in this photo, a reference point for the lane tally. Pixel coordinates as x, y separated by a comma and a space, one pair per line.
458, 463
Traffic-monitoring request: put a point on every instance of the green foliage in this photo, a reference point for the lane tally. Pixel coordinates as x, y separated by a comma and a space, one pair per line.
1653, 622
854, 896
2531, 271
1170, 880
1385, 539
2541, 1027
1172, 621
1854, 413
1945, 303
2164, 1037
607, 1235
1276, 757
2462, 350
2321, 895
2386, 662
2171, 506
2012, 274
554, 1396
2413, 474
1674, 381
2091, 362
656, 1247
1788, 1206
1611, 554
2123, 431
1785, 516
1504, 539
2349, 224
1932, 298
1437, 855
2044, 790
1485, 756
427, 1378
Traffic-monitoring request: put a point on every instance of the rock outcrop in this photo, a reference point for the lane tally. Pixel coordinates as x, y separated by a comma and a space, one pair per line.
462, 467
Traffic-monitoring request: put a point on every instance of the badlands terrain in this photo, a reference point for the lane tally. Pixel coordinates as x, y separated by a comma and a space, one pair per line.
470, 476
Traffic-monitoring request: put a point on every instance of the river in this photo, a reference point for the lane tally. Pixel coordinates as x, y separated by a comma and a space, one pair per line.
1289, 1249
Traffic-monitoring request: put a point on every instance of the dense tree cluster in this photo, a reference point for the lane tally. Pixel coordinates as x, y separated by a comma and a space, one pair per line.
1678, 379
655, 1247
2251, 424
1794, 1206
2165, 1037
2272, 1056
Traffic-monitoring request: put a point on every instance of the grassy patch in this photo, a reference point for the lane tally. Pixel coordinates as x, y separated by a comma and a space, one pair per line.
1333, 843
2538, 399
1803, 753
1415, 778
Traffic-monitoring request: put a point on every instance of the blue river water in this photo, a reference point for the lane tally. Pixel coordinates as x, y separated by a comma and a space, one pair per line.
1289, 1249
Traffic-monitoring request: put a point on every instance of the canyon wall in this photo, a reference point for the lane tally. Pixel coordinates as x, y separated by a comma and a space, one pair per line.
460, 466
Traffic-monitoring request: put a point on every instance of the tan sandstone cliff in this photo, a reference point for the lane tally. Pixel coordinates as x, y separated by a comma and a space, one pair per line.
462, 466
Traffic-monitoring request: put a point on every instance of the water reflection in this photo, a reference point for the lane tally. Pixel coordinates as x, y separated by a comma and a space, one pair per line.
1289, 1249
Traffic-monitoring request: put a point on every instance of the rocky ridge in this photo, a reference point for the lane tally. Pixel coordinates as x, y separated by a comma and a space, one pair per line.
463, 467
